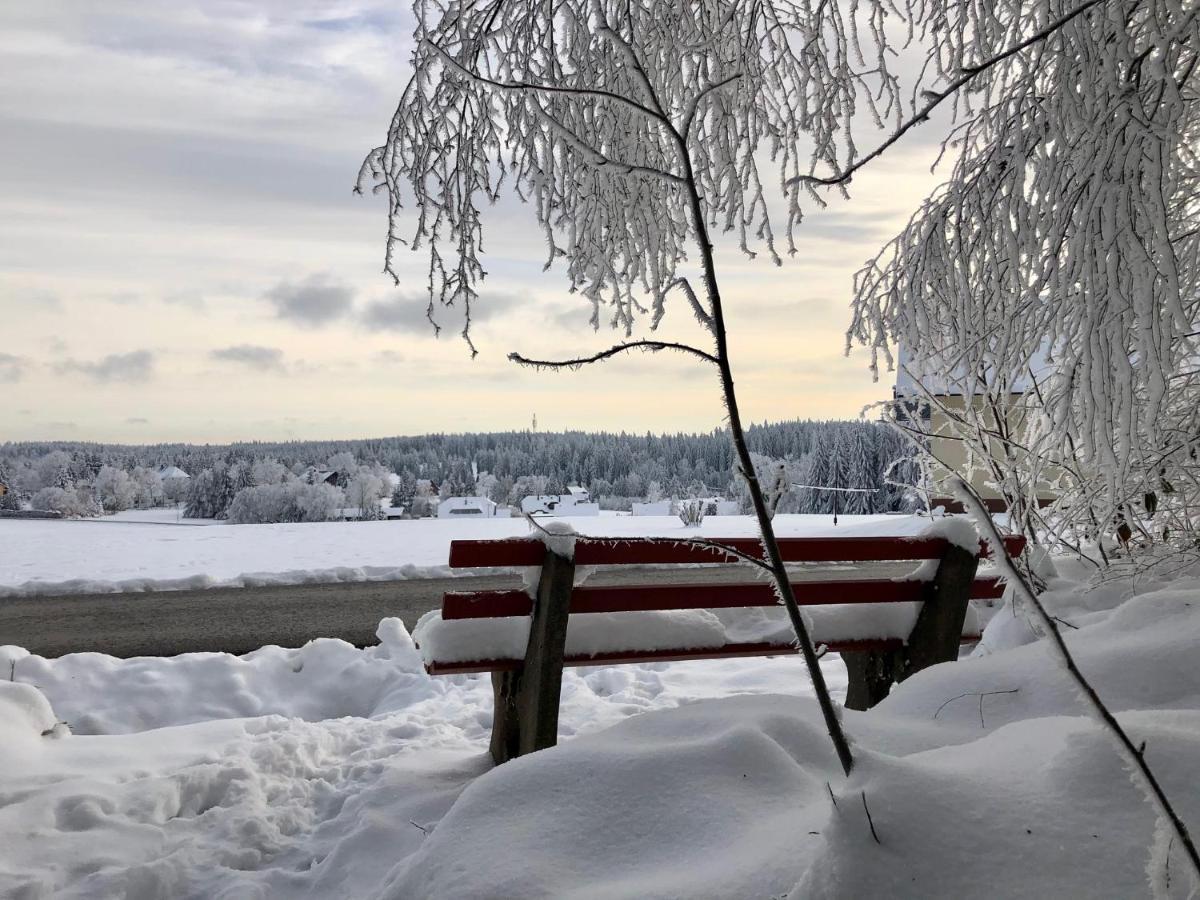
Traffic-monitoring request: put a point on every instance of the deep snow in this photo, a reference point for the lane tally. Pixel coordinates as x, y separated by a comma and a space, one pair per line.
249, 785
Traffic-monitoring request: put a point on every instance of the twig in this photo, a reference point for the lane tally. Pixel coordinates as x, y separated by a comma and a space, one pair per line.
870, 821
420, 828
831, 797
980, 695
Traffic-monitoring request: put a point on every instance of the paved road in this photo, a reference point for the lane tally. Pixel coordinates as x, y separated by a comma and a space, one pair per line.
237, 620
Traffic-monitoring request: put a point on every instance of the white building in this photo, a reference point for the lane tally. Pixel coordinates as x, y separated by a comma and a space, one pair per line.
919, 379
464, 507
172, 472
575, 503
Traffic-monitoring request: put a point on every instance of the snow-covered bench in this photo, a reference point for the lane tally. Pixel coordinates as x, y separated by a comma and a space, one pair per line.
885, 629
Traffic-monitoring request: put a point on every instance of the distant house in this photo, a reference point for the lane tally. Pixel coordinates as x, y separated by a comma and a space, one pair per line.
386, 511
167, 472
576, 502
313, 475
467, 507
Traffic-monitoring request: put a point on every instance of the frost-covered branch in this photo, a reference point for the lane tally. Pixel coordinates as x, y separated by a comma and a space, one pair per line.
1051, 282
579, 106
934, 99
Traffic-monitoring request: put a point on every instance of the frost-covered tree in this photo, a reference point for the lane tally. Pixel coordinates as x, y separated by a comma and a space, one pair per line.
54, 470
114, 489
404, 492
636, 130
72, 501
149, 490
290, 501
175, 489
209, 493
10, 497
1052, 280
363, 494
268, 470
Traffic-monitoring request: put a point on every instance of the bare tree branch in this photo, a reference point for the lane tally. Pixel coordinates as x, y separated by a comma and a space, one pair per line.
646, 346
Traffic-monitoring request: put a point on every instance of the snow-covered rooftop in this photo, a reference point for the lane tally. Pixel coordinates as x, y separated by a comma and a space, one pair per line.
930, 372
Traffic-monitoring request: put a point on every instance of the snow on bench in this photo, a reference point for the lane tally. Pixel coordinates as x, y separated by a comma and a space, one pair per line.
524, 640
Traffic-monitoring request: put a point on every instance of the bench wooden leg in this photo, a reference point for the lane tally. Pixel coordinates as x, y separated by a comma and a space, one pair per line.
871, 673
526, 701
934, 639
937, 636
506, 731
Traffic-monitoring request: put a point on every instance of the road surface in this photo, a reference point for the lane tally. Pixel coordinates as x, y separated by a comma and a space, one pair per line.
238, 620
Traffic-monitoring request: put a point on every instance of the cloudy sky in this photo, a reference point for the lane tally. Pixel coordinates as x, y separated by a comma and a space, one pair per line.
181, 256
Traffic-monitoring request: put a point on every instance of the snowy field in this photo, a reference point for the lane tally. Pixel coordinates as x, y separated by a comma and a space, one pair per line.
157, 550
327, 771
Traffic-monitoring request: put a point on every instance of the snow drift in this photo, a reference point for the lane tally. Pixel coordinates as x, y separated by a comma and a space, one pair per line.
329, 771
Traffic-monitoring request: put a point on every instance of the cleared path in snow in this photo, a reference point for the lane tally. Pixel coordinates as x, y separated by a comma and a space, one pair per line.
238, 620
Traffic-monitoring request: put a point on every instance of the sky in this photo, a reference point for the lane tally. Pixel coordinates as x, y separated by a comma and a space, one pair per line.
182, 257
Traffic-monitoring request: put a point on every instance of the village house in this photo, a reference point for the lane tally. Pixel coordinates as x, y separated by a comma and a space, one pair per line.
473, 507
576, 502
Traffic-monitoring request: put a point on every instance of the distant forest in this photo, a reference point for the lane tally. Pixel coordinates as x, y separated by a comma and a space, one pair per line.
617, 468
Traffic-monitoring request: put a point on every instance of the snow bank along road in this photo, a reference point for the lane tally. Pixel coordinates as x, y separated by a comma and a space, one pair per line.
238, 620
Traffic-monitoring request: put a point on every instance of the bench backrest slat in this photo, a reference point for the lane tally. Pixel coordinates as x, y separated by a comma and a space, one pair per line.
653, 551
649, 598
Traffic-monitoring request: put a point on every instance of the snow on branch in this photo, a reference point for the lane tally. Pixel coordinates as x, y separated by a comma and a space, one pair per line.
597, 112
1051, 282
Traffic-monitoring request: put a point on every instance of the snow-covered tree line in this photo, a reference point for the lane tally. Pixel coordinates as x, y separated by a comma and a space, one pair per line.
617, 469
263, 490
82, 484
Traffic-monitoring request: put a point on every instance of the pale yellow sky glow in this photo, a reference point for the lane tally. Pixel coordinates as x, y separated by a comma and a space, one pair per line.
181, 258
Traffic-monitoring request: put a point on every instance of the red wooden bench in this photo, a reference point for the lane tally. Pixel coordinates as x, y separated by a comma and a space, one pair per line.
527, 684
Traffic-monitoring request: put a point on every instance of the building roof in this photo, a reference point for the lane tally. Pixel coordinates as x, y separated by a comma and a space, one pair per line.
930, 373
468, 501
172, 472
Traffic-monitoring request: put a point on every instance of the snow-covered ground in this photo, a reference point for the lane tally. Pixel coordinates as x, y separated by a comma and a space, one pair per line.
156, 550
327, 771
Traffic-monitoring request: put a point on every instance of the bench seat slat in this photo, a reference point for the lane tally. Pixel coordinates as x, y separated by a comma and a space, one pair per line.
646, 598
729, 651
655, 551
